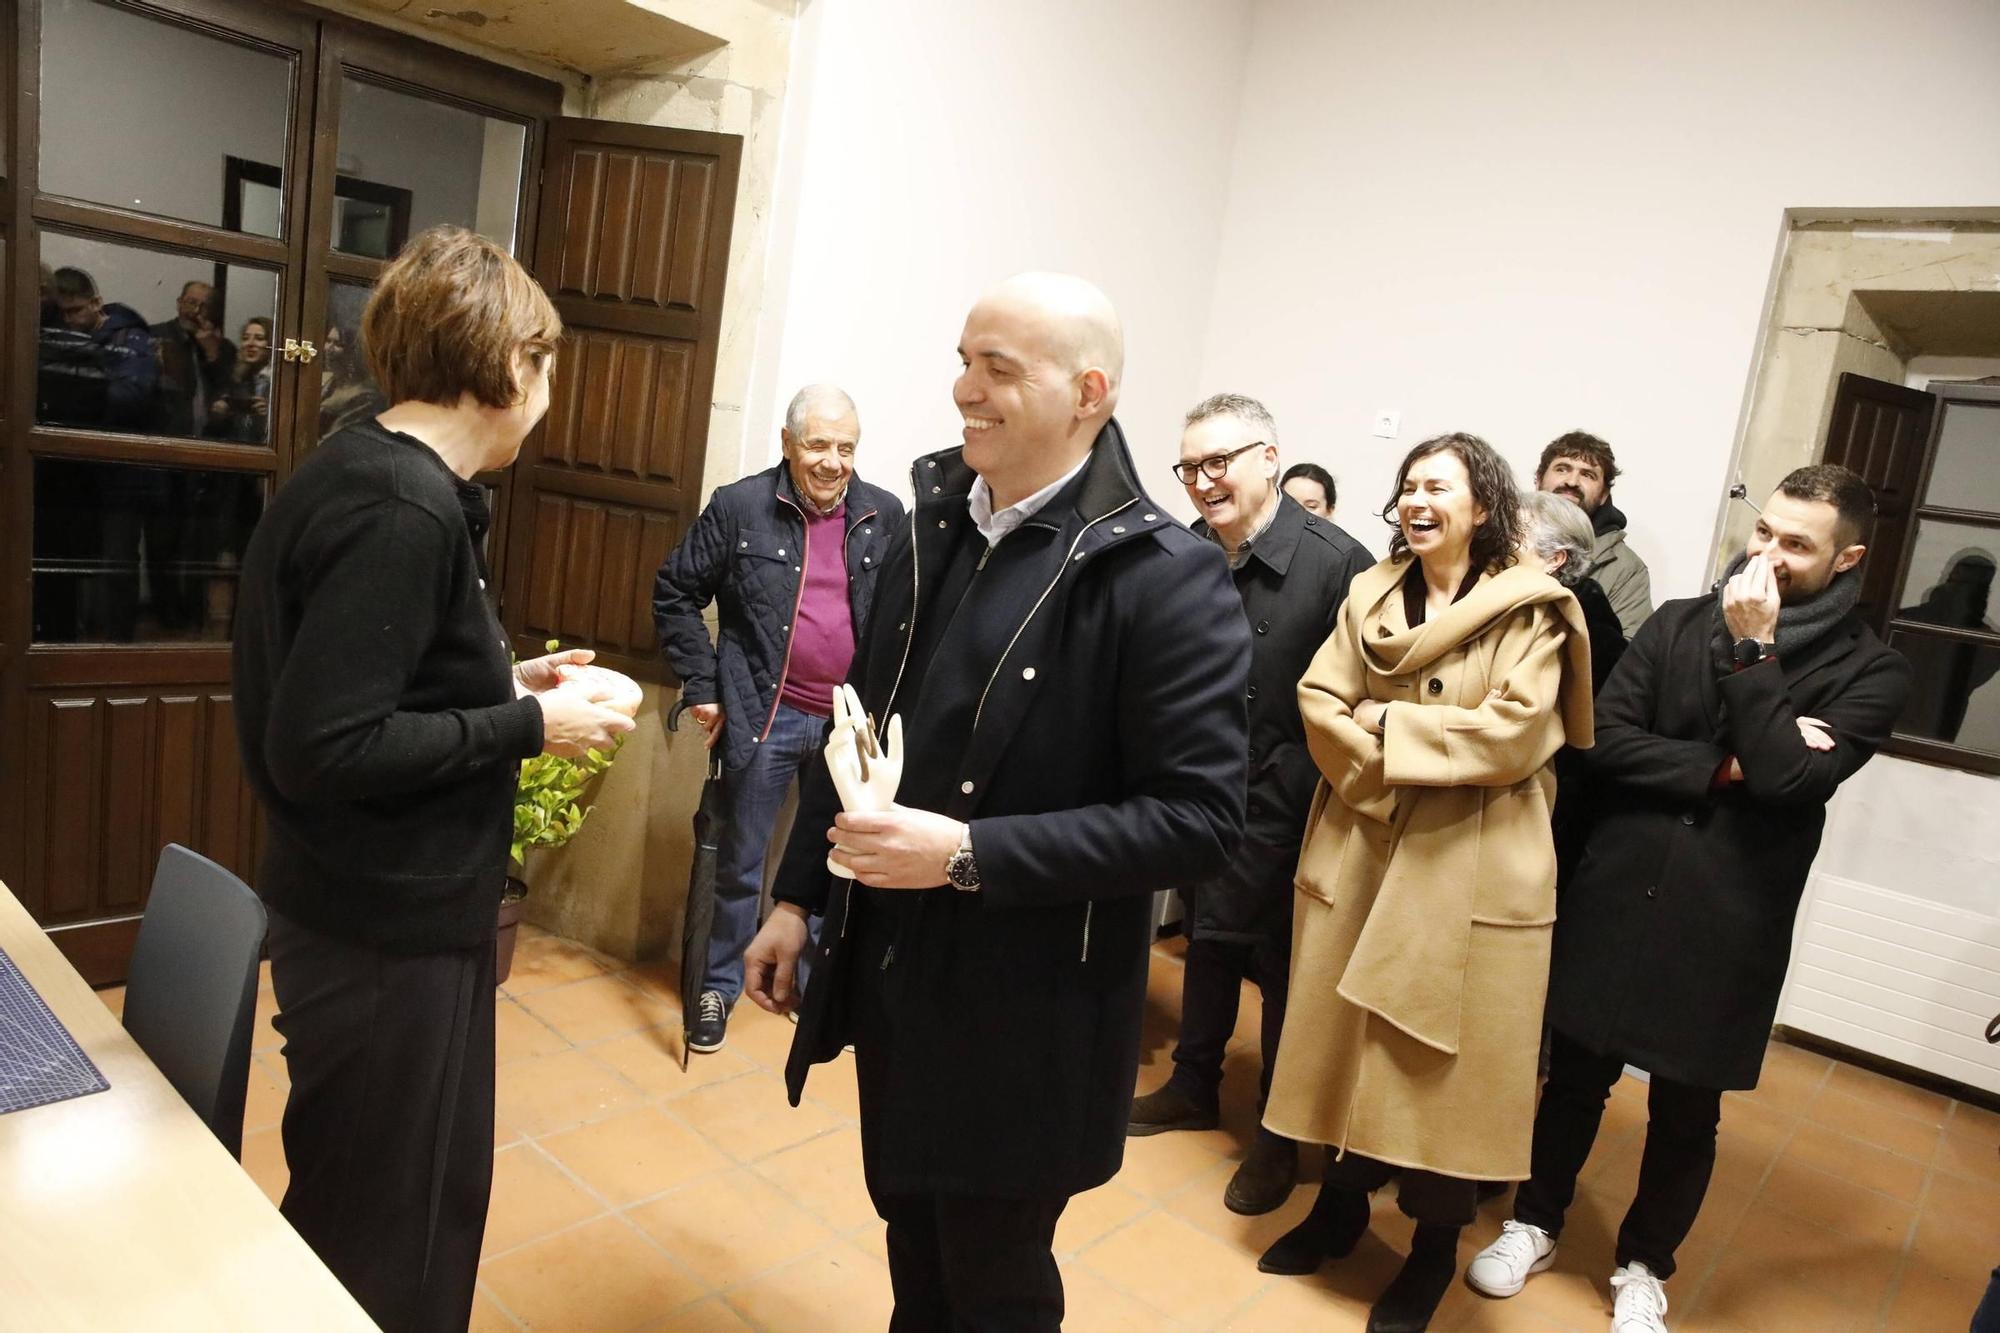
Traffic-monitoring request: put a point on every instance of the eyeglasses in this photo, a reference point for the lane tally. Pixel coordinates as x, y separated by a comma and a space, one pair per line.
1214, 467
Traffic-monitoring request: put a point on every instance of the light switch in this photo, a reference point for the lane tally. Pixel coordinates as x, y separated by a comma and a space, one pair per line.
1387, 422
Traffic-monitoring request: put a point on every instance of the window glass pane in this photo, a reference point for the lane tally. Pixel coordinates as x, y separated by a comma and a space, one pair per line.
144, 342
407, 163
147, 115
130, 554
1950, 581
1954, 696
1966, 474
347, 392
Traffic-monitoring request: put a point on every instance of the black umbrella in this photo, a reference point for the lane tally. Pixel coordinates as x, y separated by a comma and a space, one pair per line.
698, 918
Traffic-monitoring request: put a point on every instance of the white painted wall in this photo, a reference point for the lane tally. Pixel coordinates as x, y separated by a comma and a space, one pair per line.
932, 149
1524, 219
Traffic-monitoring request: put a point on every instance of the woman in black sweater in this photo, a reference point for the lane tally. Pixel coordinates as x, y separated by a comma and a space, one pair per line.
382, 727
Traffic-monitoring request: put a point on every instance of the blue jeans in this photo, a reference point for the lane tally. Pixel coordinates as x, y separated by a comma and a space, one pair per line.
752, 798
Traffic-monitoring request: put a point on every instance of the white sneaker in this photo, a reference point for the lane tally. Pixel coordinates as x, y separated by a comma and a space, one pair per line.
1504, 1267
1642, 1301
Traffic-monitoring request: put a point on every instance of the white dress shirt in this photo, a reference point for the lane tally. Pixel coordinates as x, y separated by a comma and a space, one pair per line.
994, 526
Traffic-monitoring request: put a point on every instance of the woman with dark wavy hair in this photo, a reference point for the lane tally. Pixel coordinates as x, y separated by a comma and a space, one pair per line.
1426, 886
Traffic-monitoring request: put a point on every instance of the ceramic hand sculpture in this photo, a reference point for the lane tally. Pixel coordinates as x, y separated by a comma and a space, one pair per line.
865, 772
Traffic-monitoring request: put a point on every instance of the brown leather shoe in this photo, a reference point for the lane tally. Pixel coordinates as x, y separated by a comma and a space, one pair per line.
1169, 1108
1264, 1181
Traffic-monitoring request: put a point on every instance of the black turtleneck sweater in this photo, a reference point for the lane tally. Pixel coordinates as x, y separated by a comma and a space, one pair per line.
374, 699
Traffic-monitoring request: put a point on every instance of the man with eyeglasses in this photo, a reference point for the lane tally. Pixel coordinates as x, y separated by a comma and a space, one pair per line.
1291, 569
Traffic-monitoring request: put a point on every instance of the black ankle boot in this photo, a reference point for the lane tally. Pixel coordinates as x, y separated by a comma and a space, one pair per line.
1331, 1231
1412, 1296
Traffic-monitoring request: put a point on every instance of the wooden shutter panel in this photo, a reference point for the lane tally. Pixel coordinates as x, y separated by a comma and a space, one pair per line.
634, 249
1880, 430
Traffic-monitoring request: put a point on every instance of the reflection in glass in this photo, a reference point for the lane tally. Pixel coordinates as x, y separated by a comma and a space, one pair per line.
408, 163
1950, 578
347, 392
130, 554
1966, 472
142, 342
140, 114
1953, 697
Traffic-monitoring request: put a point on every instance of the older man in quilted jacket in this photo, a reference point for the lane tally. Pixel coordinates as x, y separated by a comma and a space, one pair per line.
788, 556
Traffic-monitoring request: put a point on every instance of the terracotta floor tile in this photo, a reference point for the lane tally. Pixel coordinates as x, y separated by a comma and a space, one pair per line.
761, 1038
1872, 1123
1162, 1164
264, 1103
749, 1118
1890, 1094
833, 1291
1959, 1230
1852, 1271
1175, 1268
487, 1317
552, 1092
1715, 1227
651, 1061
1964, 1154
662, 981
594, 1009
264, 1160
1465, 1309
834, 1086
1292, 1305
872, 1239
1092, 1305
550, 961
1864, 1164
519, 1035
823, 1175
601, 1277
532, 1197
634, 1155
1095, 1214
114, 999
1840, 1205
264, 1037
1200, 1202
730, 1227
1790, 1081
1566, 1295
709, 1316
1746, 1295
1928, 1298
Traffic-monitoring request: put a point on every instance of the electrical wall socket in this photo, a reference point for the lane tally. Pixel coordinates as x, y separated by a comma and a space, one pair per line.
1387, 422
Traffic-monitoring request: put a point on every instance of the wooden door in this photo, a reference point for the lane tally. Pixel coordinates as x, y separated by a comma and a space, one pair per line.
1879, 430
270, 161
634, 250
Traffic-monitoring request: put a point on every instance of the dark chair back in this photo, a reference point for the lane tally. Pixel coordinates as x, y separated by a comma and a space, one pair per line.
191, 993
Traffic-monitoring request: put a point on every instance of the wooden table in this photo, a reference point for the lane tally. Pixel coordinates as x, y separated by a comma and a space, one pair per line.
120, 1210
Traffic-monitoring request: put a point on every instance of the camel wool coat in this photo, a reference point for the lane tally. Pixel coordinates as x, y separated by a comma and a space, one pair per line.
1426, 885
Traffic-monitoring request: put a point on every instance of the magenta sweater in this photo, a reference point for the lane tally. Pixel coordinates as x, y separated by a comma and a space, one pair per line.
823, 631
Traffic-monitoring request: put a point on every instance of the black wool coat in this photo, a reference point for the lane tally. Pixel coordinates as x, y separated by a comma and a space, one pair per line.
743, 553
1673, 939
1292, 584
1104, 763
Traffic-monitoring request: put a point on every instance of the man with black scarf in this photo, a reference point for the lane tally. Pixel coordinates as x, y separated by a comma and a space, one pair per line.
1070, 666
1721, 735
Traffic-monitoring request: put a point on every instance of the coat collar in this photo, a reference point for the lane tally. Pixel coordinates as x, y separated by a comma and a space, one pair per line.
860, 497
1277, 544
942, 483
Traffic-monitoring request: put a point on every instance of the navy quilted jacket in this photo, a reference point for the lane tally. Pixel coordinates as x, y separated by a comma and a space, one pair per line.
743, 554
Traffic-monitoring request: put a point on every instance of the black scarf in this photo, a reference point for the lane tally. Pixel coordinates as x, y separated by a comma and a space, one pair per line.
1800, 625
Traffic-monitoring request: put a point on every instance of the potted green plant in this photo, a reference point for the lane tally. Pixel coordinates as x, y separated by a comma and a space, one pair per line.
549, 809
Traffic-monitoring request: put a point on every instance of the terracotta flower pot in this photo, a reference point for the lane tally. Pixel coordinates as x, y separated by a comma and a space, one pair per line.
512, 900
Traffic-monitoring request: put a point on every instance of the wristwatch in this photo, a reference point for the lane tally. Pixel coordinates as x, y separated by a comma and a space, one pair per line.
1749, 652
963, 869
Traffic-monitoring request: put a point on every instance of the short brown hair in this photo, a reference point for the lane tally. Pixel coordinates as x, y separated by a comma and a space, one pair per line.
1850, 496
448, 318
1580, 445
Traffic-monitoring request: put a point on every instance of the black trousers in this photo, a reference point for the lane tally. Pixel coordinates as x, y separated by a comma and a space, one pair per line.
1424, 1196
389, 1127
1673, 1173
1211, 992
969, 1264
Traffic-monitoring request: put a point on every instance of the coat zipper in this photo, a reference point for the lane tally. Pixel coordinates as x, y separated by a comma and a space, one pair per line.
778, 690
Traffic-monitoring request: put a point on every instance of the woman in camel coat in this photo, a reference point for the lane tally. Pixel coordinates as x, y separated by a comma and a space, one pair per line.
1426, 885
